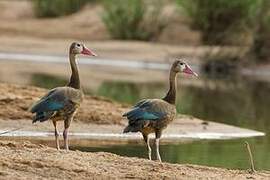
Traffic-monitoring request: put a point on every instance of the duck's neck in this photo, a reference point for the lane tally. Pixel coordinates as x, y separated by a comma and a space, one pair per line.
171, 94
74, 79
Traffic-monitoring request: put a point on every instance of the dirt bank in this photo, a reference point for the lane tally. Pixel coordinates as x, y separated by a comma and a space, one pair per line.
16, 99
26, 161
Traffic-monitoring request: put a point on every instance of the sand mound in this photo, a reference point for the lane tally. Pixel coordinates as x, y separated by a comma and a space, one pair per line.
26, 161
16, 99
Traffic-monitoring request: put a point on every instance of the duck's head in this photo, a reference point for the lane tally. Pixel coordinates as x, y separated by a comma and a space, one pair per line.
80, 48
180, 66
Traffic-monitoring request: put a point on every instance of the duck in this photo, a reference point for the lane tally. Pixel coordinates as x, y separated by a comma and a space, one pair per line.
153, 115
62, 103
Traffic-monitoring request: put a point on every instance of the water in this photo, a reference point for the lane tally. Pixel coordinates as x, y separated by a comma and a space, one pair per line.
236, 101
228, 154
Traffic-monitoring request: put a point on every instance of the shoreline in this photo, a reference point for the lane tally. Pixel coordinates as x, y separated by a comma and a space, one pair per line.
184, 128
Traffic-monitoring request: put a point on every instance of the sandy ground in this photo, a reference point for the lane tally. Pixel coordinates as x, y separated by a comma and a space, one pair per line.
29, 161
16, 99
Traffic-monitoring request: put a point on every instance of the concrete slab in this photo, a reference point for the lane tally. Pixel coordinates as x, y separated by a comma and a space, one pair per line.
179, 130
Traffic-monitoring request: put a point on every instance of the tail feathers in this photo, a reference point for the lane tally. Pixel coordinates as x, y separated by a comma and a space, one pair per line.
42, 116
125, 114
131, 115
134, 127
127, 129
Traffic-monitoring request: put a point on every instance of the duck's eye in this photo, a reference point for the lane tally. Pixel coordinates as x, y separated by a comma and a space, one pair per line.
181, 64
78, 45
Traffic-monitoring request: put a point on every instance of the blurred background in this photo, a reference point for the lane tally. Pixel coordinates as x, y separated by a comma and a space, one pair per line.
226, 42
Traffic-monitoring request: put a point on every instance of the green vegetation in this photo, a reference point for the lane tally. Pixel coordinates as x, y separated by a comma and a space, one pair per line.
50, 81
133, 19
119, 91
47, 81
55, 8
128, 92
222, 22
261, 44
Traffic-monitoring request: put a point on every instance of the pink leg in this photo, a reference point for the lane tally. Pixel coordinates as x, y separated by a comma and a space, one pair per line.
147, 141
65, 133
158, 135
56, 134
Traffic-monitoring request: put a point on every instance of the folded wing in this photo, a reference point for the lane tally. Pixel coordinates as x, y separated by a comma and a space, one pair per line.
53, 101
148, 109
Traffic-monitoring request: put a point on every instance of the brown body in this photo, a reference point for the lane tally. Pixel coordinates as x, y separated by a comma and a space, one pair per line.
157, 126
62, 103
67, 113
154, 115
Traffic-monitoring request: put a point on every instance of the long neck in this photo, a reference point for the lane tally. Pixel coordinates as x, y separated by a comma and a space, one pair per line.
74, 79
171, 94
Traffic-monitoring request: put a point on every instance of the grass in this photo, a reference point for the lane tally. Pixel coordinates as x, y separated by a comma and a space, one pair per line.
133, 19
222, 22
47, 81
55, 8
